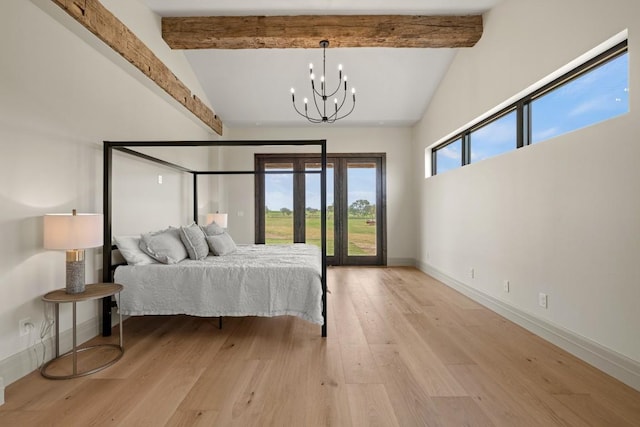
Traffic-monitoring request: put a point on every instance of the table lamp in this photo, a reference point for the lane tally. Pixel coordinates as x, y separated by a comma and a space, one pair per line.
73, 232
219, 218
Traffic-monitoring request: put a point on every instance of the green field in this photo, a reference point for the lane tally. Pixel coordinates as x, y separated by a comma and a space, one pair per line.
362, 236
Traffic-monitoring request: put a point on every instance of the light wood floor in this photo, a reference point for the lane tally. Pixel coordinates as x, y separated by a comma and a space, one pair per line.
403, 350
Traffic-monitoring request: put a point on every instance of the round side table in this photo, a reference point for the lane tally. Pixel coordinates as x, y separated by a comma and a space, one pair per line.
92, 292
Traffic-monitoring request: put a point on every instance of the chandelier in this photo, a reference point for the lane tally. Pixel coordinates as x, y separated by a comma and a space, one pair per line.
321, 96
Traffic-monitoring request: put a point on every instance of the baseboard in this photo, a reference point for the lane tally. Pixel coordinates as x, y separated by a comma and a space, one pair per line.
605, 359
401, 262
23, 363
1, 391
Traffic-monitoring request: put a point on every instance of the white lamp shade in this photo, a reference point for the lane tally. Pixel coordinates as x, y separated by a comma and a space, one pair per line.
219, 218
67, 231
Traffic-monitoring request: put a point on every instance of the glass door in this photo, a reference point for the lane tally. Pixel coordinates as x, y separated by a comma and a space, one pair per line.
362, 220
361, 210
279, 207
288, 204
312, 207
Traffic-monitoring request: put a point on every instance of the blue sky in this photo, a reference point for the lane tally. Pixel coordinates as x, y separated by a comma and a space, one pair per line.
279, 194
598, 95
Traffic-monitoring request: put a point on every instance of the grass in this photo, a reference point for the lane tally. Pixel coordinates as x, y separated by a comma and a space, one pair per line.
362, 236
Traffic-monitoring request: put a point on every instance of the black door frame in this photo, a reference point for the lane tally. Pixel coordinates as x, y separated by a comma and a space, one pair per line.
341, 194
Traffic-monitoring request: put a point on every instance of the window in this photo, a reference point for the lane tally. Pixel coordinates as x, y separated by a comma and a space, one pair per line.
598, 95
496, 137
591, 93
448, 156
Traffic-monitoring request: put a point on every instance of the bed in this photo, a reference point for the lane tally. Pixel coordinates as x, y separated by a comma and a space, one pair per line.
254, 280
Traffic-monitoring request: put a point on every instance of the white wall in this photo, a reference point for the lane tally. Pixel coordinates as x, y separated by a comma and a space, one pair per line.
141, 204
395, 142
560, 217
59, 99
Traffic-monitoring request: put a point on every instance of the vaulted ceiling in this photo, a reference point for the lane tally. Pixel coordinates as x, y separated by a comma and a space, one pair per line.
251, 87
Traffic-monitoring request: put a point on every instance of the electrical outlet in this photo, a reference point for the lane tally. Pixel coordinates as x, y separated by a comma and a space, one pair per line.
505, 286
25, 326
159, 179
542, 300
472, 273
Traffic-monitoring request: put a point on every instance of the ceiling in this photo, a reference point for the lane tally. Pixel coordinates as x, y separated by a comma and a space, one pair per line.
252, 87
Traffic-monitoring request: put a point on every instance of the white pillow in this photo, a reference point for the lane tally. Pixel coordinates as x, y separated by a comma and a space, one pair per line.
212, 229
164, 246
221, 244
129, 247
194, 241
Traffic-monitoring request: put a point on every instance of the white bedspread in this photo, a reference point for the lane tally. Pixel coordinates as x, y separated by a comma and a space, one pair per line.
256, 280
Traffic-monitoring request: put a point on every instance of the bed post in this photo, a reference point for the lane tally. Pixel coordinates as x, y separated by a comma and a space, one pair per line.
323, 233
106, 246
195, 197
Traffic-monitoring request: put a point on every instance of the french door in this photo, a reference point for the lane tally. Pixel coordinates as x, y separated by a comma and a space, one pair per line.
288, 204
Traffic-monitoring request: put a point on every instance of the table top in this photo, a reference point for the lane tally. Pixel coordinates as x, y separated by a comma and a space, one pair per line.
93, 291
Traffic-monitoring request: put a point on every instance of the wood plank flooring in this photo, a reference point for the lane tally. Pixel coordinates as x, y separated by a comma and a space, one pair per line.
403, 350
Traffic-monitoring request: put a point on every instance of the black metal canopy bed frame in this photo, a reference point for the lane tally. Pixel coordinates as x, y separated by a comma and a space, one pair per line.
128, 147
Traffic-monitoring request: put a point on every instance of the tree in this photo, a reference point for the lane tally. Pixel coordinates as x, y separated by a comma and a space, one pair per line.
359, 208
370, 211
285, 211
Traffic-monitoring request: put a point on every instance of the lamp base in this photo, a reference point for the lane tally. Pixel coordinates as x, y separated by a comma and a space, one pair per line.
75, 271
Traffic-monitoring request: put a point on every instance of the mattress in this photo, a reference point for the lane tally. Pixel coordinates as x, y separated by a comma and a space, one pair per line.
255, 280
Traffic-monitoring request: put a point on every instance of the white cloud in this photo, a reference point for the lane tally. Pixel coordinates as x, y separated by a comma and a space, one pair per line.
450, 153
546, 134
601, 103
501, 131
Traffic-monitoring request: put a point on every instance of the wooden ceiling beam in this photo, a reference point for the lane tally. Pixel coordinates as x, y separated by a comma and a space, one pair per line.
108, 28
306, 31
